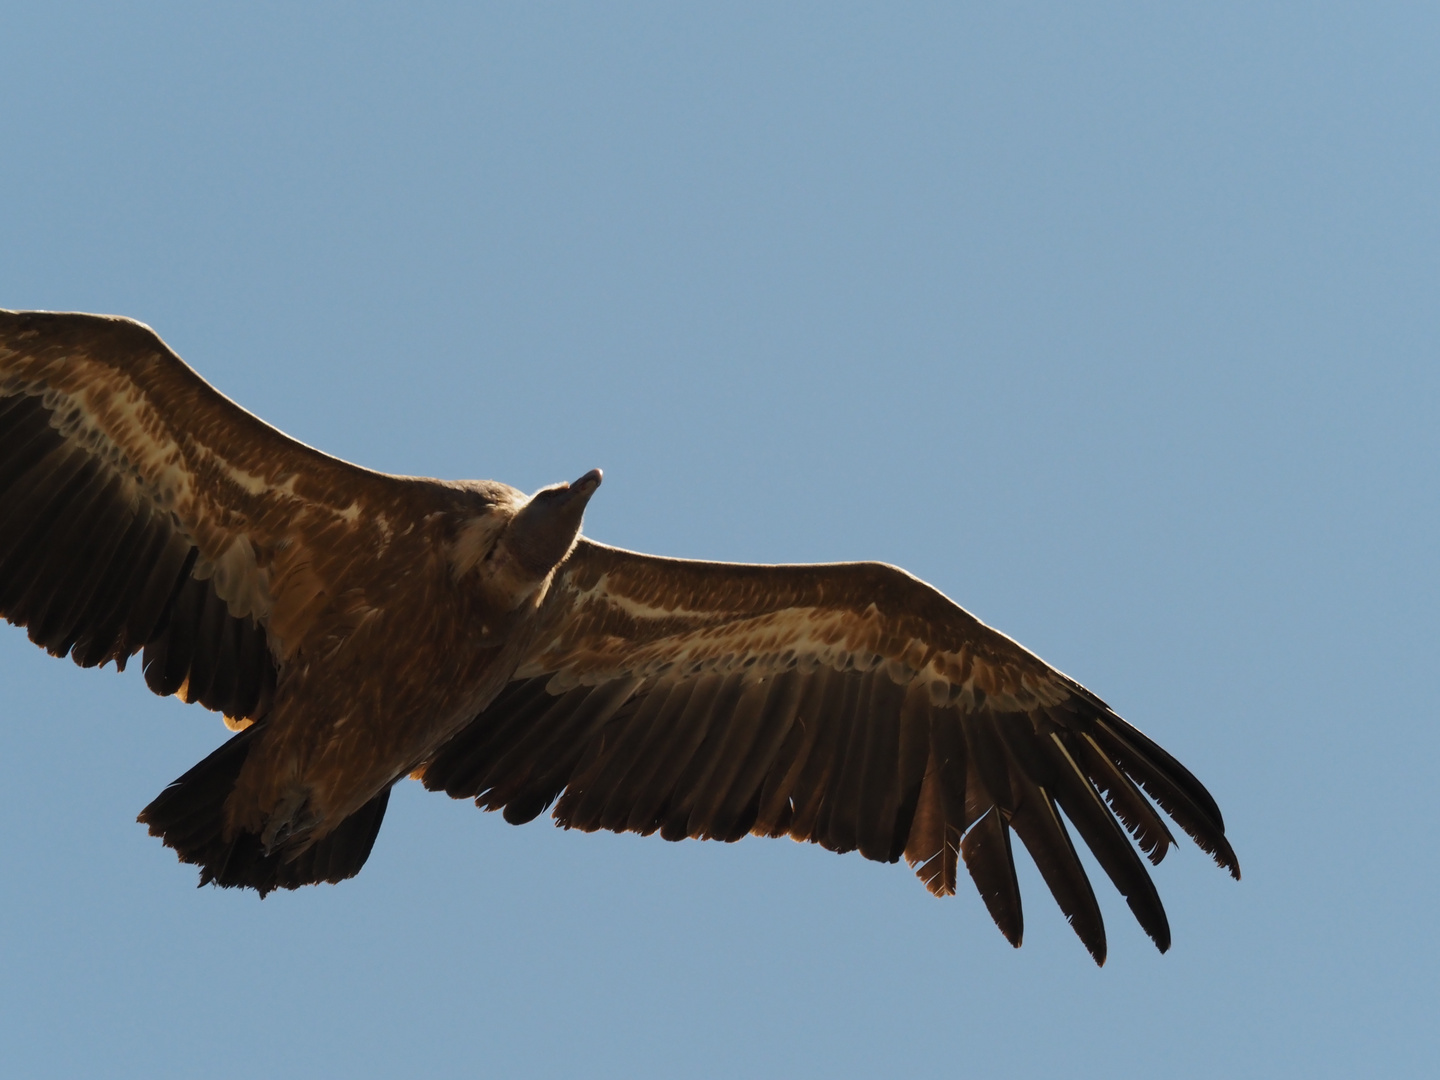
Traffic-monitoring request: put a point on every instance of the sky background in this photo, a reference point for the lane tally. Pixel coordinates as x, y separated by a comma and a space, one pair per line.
1117, 323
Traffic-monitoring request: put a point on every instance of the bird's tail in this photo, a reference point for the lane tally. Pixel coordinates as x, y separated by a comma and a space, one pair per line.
189, 816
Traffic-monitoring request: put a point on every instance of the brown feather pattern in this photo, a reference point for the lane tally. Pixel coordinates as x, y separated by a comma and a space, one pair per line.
66, 510
847, 705
851, 736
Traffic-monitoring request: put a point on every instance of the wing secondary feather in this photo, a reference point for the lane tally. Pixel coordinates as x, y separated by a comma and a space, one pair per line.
850, 705
141, 509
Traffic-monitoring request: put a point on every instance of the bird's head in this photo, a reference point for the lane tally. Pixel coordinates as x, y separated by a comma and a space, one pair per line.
544, 530
518, 557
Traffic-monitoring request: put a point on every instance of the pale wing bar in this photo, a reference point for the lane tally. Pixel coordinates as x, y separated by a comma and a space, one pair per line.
851, 759
94, 570
94, 567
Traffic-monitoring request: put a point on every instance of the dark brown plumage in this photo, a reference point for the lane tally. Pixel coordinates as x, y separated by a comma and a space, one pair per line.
358, 627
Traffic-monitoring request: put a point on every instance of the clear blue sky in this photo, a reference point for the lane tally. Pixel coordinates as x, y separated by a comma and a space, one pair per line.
1118, 324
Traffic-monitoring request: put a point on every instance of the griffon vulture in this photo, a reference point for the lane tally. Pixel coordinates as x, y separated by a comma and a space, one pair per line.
356, 628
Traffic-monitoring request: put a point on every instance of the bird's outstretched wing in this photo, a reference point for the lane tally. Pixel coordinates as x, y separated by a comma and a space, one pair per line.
850, 705
141, 508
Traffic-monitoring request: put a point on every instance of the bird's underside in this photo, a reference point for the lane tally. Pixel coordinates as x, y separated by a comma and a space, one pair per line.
358, 627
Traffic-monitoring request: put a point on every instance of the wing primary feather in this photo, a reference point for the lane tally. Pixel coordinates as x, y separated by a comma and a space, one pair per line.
1176, 773
1161, 785
1123, 797
988, 858
1039, 826
1106, 839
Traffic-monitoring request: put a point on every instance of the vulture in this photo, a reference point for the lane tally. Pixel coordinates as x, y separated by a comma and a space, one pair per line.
355, 628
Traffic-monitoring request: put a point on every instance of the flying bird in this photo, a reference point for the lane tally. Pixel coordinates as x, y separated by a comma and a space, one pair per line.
356, 628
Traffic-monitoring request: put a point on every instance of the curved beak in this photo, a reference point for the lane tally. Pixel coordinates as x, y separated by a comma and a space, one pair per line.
588, 483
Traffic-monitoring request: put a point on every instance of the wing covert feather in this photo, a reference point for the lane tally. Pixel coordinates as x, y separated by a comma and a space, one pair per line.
142, 509
848, 705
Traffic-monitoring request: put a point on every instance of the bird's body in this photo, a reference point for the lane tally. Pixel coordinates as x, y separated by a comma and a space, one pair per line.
358, 627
